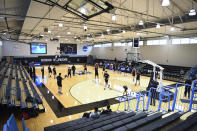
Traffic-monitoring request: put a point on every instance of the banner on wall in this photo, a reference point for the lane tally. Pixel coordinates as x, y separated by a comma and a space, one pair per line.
53, 60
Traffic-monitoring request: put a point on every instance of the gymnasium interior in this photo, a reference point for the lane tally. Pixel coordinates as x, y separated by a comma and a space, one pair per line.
98, 65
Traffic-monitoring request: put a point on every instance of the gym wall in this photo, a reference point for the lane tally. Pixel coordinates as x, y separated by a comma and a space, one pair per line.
22, 49
178, 55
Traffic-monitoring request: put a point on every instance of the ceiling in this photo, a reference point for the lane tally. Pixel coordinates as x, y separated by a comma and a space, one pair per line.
10, 28
128, 14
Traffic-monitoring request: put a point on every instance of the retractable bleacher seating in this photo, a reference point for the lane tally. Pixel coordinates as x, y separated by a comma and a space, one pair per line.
186, 125
129, 121
17, 90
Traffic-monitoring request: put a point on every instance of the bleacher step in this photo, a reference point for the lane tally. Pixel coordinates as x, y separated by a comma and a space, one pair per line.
160, 123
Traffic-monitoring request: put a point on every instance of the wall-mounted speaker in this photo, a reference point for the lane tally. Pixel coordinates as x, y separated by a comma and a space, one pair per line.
45, 29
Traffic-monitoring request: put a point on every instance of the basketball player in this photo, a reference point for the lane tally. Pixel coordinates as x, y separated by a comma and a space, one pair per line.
133, 74
85, 69
119, 68
49, 70
73, 69
54, 72
103, 69
59, 83
69, 72
138, 78
114, 67
106, 77
96, 71
126, 69
42, 70
187, 87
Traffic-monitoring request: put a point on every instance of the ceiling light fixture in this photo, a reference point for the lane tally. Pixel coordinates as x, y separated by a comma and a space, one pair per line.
49, 31
172, 29
165, 3
158, 26
141, 22
123, 31
85, 27
138, 33
58, 36
192, 12
83, 11
114, 17
60, 25
68, 33
108, 30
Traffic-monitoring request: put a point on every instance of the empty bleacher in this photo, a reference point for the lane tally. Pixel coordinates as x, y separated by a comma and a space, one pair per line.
170, 72
188, 124
17, 90
123, 121
159, 119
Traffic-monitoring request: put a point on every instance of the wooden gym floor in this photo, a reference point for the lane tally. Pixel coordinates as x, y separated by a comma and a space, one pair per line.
82, 89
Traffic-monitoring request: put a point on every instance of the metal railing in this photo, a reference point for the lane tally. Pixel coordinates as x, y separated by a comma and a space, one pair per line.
193, 96
170, 98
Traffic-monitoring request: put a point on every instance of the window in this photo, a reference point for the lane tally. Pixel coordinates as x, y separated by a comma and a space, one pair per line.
85, 8
176, 41
98, 45
119, 44
185, 41
163, 42
193, 40
149, 42
141, 43
130, 43
155, 42
107, 45
123, 44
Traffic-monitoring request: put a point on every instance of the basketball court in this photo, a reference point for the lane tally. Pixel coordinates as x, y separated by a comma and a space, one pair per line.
144, 52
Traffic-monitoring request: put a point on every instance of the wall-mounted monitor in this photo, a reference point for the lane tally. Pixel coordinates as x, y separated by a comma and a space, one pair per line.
38, 48
68, 48
136, 43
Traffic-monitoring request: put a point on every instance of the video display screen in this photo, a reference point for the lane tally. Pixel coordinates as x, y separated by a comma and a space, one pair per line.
38, 48
68, 48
